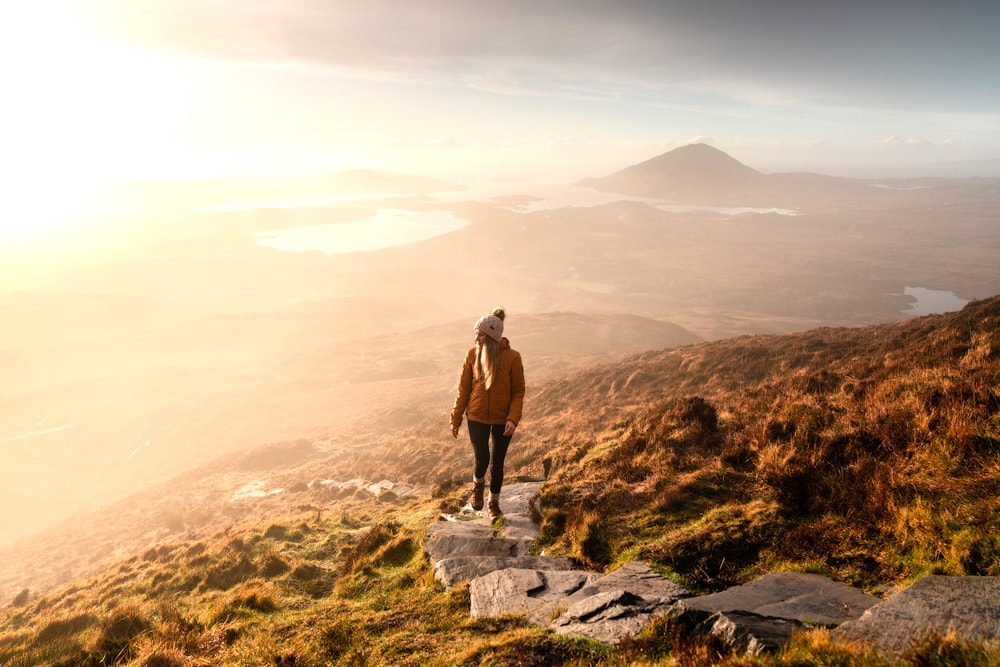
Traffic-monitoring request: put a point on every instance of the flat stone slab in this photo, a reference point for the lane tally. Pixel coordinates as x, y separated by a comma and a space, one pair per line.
967, 606
467, 545
451, 539
605, 607
637, 579
607, 617
535, 593
799, 596
519, 498
453, 571
617, 605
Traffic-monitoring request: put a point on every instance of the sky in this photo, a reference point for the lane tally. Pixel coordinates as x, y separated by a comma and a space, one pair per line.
467, 89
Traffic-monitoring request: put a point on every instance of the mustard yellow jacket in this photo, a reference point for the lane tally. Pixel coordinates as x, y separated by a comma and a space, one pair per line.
503, 401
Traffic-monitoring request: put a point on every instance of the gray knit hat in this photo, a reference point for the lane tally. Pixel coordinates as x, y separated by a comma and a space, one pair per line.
491, 325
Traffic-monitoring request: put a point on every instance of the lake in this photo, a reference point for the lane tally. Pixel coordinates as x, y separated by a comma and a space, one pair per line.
395, 226
933, 302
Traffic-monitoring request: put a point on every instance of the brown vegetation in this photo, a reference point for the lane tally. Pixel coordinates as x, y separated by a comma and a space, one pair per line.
869, 455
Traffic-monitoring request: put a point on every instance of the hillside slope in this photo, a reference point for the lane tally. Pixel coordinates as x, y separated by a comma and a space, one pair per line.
699, 173
868, 455
696, 170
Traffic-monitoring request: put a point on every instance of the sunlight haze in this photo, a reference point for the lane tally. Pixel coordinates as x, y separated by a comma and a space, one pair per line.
156, 89
242, 224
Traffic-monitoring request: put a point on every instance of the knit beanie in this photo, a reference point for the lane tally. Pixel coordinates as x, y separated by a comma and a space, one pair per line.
491, 325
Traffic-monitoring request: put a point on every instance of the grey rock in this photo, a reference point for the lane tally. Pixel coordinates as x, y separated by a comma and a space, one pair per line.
748, 632
607, 616
969, 607
469, 534
618, 605
449, 539
519, 498
799, 596
520, 529
453, 571
638, 579
535, 593
756, 617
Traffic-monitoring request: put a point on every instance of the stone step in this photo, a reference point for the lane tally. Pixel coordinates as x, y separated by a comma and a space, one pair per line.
504, 578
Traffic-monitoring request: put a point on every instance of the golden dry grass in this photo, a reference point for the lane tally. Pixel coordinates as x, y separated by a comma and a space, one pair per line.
870, 455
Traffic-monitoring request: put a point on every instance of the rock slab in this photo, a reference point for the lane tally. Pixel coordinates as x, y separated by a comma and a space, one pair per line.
617, 605
504, 578
454, 571
747, 632
966, 607
536, 593
799, 596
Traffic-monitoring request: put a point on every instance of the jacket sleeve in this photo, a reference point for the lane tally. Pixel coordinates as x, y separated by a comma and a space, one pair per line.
516, 390
463, 393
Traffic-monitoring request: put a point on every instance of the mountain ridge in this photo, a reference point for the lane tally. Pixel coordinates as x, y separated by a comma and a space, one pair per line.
699, 173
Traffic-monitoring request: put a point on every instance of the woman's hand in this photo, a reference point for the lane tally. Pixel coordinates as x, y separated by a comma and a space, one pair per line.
454, 431
509, 428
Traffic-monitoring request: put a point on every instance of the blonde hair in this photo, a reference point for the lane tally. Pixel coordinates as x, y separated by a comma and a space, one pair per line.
489, 355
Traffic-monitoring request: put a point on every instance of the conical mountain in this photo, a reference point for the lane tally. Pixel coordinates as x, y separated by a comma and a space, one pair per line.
692, 170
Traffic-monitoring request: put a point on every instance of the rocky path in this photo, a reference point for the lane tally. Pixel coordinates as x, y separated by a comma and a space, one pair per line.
504, 578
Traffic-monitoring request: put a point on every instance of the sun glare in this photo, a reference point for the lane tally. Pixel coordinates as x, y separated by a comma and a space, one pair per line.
78, 113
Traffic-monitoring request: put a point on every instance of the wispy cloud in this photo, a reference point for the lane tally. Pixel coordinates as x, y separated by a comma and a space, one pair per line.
894, 141
878, 52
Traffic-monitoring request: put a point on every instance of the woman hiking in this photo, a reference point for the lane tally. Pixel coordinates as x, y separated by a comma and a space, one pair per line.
491, 394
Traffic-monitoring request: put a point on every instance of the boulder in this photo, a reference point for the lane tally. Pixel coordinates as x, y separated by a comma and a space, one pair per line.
967, 607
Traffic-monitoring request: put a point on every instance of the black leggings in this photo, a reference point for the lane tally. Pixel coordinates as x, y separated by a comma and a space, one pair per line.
479, 434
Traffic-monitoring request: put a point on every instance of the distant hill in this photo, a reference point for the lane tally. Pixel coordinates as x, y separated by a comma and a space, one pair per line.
699, 173
696, 168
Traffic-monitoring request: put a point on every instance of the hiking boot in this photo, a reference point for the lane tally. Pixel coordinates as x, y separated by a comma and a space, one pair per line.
477, 494
493, 508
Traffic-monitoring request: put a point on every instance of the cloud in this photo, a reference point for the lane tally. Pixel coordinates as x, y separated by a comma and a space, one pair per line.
893, 141
872, 53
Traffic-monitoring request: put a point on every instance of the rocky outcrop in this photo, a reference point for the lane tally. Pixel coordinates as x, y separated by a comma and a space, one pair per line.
762, 615
809, 598
965, 607
456, 539
617, 605
505, 578
748, 632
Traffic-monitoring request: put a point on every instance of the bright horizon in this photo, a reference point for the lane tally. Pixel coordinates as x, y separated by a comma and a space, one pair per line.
101, 90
